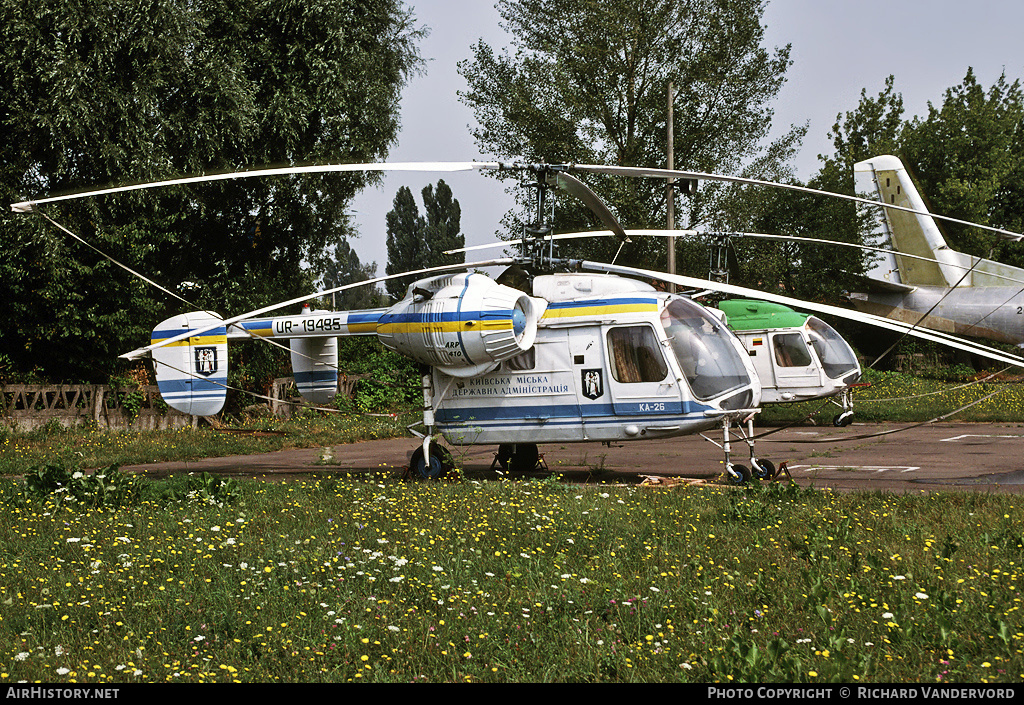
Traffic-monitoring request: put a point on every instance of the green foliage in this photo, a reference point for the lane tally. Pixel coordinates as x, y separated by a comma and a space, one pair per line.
344, 268
418, 242
588, 81
394, 381
966, 155
100, 93
106, 487
128, 393
205, 488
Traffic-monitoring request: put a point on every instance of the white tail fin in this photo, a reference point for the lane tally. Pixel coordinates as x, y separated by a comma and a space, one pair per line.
886, 179
192, 374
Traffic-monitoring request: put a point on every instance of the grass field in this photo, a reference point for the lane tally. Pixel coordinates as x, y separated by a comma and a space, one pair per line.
107, 578
341, 579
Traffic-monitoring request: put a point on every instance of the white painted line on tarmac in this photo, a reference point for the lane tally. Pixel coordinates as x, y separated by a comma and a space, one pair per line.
976, 435
871, 468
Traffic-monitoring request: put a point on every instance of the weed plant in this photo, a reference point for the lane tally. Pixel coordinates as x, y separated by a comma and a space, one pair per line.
366, 578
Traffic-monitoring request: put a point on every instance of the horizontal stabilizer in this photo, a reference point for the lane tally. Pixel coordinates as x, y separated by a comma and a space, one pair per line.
192, 373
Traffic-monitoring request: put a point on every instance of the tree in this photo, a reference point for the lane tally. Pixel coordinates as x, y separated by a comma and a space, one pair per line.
588, 83
345, 268
443, 230
102, 93
406, 251
418, 242
967, 157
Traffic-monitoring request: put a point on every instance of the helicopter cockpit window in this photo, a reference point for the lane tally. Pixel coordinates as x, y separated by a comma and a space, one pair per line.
705, 349
790, 350
837, 357
526, 360
636, 355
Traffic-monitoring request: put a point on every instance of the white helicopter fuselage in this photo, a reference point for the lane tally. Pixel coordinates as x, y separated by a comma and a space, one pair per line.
613, 360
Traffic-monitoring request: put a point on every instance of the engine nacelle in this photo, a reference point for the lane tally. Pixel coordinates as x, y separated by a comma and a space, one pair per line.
463, 324
192, 373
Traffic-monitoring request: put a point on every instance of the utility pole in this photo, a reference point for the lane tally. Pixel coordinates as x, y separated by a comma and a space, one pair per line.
670, 197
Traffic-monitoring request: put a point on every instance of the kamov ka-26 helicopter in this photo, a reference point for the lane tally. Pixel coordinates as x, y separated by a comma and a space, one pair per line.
555, 350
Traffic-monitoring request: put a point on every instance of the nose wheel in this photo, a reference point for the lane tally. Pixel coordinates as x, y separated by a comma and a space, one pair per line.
433, 464
737, 473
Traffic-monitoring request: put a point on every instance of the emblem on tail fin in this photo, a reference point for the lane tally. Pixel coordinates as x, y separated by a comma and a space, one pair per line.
206, 360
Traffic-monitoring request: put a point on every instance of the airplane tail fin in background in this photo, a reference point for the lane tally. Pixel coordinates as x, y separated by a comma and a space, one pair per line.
192, 373
887, 180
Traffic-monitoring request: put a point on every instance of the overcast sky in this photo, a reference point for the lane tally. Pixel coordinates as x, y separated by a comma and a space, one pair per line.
839, 47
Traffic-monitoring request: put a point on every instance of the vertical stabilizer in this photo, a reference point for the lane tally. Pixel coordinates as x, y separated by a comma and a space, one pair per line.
192, 373
885, 179
315, 366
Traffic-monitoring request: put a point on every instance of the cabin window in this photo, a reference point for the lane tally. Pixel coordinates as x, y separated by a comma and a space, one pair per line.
636, 355
708, 353
526, 360
837, 357
790, 350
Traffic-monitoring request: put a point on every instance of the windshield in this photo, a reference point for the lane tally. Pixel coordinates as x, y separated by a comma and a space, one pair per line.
837, 358
705, 349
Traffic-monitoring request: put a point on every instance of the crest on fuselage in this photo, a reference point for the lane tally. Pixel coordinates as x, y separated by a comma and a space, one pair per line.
206, 361
593, 383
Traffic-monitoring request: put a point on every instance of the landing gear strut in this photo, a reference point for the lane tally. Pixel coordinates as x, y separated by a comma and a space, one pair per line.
845, 417
736, 473
431, 464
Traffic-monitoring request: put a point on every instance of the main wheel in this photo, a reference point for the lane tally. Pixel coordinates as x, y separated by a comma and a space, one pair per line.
505, 451
762, 469
438, 465
744, 474
525, 458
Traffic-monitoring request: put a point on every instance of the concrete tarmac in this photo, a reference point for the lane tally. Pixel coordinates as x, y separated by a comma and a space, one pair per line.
985, 457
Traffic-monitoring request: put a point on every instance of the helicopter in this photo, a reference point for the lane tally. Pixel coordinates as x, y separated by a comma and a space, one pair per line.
798, 357
553, 350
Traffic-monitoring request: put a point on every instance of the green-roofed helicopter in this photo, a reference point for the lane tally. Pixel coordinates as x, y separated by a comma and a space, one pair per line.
797, 356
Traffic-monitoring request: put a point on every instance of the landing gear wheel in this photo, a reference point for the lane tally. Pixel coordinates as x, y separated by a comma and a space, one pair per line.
525, 458
505, 451
843, 419
744, 474
763, 469
439, 464
518, 457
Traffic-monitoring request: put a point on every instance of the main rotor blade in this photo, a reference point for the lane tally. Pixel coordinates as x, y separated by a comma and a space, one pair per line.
27, 206
695, 233
580, 190
575, 236
941, 338
143, 352
676, 174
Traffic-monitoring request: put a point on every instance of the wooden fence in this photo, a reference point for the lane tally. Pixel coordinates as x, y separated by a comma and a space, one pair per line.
285, 399
26, 407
